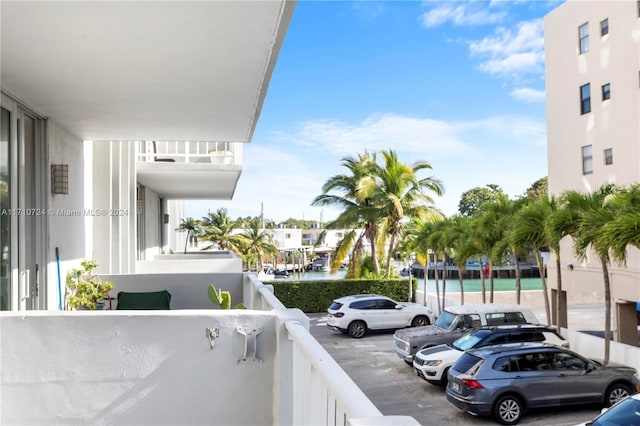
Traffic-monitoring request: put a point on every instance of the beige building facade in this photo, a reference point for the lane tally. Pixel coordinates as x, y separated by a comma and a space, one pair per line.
592, 54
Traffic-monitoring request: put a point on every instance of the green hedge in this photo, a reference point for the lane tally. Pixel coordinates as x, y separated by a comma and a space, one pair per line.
316, 296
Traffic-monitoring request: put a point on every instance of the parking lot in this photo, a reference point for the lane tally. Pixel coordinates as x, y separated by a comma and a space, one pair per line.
392, 386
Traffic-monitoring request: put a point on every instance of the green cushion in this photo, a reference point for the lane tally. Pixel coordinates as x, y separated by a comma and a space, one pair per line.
154, 300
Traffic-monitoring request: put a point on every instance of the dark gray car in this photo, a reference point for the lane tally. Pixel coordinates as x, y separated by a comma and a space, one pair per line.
503, 381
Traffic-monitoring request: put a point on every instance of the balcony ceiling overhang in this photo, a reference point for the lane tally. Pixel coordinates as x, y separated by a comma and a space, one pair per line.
190, 181
145, 70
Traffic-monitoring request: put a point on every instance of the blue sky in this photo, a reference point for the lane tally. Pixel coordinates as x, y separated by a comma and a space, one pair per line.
457, 84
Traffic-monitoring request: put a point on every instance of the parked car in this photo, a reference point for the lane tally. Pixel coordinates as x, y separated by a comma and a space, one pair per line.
504, 381
432, 364
355, 315
624, 412
454, 322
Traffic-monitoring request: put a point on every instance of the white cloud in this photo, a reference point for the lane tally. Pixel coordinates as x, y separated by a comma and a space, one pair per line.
287, 170
528, 95
512, 52
381, 132
462, 14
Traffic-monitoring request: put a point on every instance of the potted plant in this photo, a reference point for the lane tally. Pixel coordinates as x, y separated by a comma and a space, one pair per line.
85, 290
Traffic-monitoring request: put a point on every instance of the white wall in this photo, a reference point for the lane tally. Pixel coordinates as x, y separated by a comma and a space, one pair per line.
135, 368
188, 290
114, 196
66, 224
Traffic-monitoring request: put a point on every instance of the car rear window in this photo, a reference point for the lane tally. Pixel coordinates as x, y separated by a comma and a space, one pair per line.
335, 306
468, 363
497, 318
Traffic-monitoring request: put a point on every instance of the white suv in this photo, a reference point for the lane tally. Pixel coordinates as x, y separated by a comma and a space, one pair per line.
355, 315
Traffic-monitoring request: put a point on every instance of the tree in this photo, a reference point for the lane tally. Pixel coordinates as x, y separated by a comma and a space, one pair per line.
218, 229
191, 226
471, 200
353, 196
538, 189
624, 229
595, 213
398, 194
504, 211
255, 244
529, 232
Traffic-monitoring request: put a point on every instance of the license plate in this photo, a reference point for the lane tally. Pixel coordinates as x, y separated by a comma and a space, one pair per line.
455, 386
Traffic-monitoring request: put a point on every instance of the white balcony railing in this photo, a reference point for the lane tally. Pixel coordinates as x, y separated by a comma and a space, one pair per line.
186, 152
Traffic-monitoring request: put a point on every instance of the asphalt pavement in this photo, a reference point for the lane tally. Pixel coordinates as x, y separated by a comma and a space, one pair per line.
393, 387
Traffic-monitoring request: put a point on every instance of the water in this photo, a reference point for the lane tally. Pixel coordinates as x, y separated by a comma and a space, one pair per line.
312, 276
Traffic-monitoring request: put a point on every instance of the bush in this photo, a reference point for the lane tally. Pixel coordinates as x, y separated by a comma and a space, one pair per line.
316, 296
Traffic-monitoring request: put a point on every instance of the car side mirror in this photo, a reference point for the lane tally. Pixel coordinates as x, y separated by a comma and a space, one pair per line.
399, 307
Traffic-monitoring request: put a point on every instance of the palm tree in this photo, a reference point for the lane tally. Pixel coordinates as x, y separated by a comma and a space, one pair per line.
529, 232
561, 222
461, 249
624, 229
595, 213
218, 229
505, 210
191, 226
355, 200
398, 194
256, 244
418, 240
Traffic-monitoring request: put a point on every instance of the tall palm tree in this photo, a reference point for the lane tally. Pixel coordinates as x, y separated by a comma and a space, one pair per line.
595, 213
256, 244
354, 198
398, 193
529, 233
191, 226
462, 247
418, 236
218, 229
561, 222
505, 210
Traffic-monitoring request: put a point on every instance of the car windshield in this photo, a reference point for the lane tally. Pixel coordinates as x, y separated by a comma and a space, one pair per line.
626, 412
446, 319
469, 340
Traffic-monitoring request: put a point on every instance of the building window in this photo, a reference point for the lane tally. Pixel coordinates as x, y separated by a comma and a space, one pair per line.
604, 27
583, 33
608, 156
585, 98
606, 92
587, 160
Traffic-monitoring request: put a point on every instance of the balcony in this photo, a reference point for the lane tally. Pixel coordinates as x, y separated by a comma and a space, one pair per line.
189, 169
190, 365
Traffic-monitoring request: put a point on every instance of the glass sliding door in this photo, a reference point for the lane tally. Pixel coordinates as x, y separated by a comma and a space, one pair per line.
22, 195
5, 209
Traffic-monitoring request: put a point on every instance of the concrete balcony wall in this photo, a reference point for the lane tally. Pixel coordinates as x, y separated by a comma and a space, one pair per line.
136, 368
188, 291
214, 261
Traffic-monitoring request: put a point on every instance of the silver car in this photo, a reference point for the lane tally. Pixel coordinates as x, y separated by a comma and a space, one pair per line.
503, 381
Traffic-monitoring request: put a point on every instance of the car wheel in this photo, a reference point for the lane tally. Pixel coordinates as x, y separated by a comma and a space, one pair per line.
508, 410
615, 393
419, 321
445, 377
357, 329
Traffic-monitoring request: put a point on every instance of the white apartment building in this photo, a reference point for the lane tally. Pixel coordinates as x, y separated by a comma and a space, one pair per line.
592, 54
112, 113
